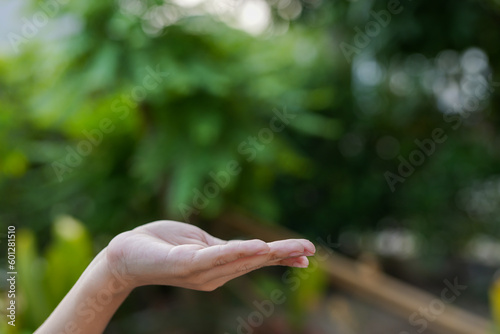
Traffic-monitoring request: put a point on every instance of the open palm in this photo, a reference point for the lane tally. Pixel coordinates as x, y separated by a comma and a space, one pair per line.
183, 255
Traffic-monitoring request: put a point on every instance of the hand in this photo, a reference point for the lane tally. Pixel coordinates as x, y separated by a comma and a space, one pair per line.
183, 255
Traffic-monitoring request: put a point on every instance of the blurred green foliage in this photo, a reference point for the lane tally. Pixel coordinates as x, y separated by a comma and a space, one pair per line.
322, 175
222, 87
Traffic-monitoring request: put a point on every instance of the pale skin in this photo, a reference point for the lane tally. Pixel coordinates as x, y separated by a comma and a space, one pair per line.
163, 253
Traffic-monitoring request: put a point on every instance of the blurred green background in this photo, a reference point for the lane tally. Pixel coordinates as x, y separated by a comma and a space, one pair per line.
117, 113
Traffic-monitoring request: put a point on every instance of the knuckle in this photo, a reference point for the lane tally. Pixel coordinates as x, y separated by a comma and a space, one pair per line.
219, 262
248, 267
275, 258
243, 267
239, 249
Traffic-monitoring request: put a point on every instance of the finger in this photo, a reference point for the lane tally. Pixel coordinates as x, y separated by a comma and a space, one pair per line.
286, 248
212, 241
279, 250
307, 247
220, 255
290, 252
236, 268
298, 262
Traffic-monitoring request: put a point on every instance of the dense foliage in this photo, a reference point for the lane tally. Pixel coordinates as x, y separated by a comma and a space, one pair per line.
148, 110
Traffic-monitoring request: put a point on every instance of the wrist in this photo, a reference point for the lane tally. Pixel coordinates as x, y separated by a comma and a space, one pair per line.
90, 304
116, 280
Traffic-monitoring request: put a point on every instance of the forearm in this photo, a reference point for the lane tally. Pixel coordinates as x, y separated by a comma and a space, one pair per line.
92, 301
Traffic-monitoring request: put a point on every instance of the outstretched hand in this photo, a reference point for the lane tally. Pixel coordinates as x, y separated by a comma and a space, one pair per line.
183, 255
163, 253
